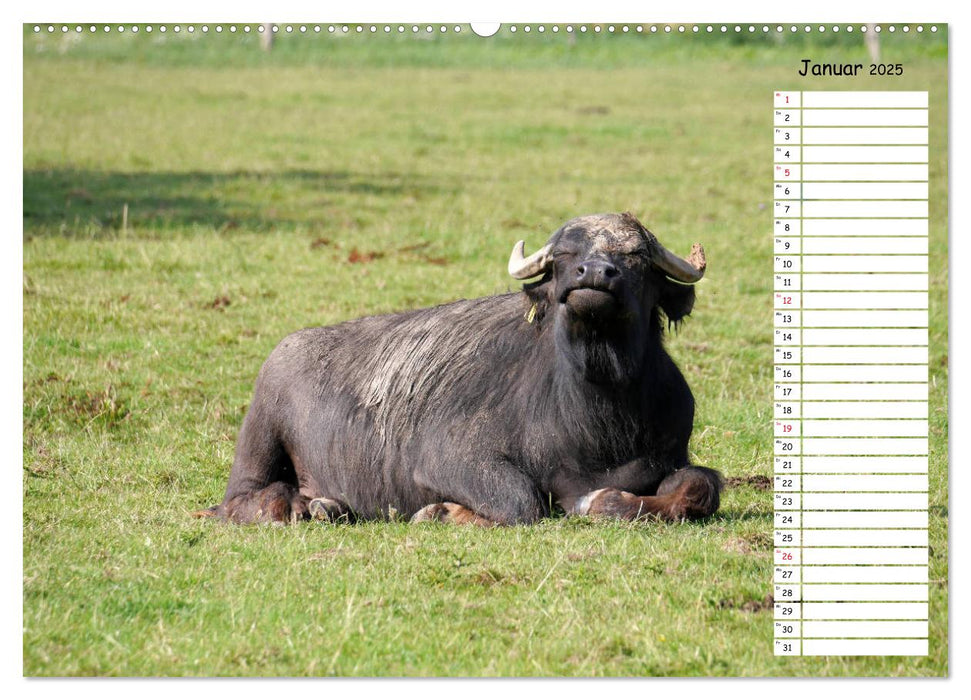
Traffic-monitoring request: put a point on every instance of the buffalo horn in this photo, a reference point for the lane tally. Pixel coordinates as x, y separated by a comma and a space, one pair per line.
522, 267
688, 270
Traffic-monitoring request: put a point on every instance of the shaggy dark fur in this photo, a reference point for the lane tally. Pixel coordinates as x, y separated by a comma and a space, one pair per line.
485, 410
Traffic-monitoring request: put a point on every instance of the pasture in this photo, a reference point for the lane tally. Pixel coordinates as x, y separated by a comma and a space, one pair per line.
190, 200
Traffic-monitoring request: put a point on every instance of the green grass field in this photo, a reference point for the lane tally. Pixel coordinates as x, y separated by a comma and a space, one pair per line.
188, 201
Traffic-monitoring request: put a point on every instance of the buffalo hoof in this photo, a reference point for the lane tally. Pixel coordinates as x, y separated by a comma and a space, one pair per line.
327, 509
276, 504
436, 512
450, 513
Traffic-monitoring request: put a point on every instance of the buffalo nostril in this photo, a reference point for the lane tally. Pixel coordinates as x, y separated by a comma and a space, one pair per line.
596, 271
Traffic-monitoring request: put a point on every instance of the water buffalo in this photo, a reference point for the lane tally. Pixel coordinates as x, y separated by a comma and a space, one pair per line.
491, 410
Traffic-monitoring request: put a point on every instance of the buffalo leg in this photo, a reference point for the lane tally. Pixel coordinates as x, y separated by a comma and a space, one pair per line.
487, 493
687, 494
263, 485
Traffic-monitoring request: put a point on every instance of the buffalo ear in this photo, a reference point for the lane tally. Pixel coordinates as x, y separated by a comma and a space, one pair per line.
538, 295
676, 300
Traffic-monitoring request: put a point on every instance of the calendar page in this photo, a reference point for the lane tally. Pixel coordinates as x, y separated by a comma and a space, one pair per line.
757, 487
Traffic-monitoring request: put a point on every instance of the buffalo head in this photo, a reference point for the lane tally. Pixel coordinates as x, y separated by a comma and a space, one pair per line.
601, 280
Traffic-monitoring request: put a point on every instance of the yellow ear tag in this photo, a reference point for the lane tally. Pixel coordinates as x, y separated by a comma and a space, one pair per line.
531, 314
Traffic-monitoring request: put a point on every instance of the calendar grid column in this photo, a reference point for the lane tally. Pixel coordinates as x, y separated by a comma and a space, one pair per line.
787, 245
861, 430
